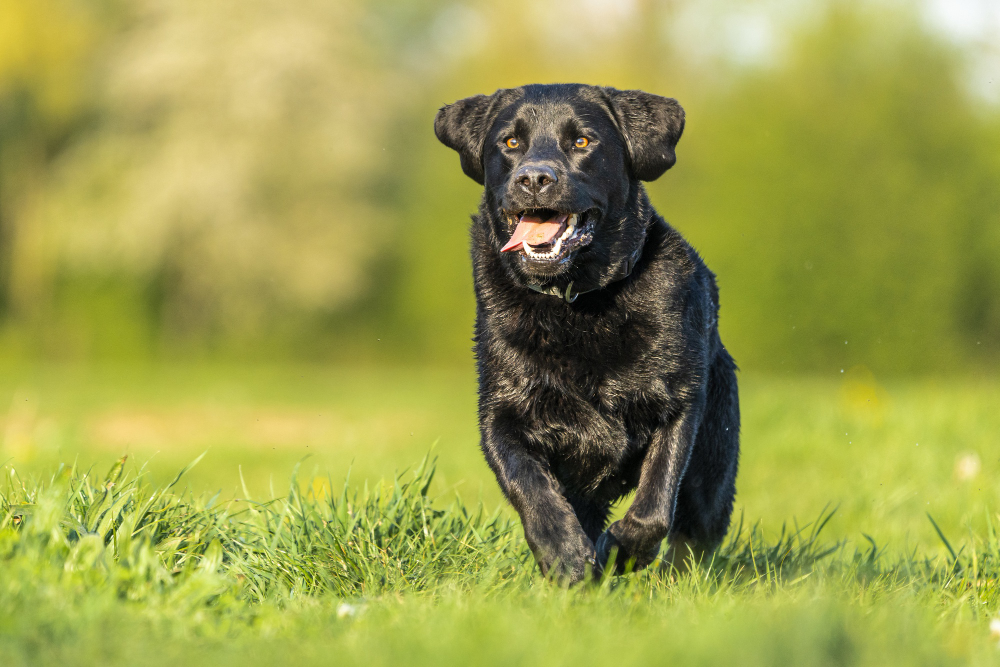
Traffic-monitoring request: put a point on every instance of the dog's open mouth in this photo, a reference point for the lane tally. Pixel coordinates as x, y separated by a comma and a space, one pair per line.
546, 235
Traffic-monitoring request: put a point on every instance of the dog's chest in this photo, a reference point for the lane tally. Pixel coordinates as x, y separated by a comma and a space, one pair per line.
591, 427
585, 385
587, 394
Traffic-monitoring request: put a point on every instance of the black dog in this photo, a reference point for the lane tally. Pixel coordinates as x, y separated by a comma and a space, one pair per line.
600, 364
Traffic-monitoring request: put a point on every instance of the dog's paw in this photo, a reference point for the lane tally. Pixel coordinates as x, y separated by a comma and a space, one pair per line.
625, 558
571, 562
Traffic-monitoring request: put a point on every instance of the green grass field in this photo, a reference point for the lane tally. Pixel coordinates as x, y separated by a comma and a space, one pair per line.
864, 531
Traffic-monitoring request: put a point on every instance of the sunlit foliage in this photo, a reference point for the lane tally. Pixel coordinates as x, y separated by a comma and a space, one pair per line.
261, 177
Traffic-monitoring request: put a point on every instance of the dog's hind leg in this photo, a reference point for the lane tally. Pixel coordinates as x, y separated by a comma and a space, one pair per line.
705, 497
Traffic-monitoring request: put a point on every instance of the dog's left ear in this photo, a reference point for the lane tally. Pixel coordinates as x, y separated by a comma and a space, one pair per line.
652, 126
462, 126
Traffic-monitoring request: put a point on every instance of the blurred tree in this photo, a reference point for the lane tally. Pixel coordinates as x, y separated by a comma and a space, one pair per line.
848, 200
233, 167
262, 175
46, 50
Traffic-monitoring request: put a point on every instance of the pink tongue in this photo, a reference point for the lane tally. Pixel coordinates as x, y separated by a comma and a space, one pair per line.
534, 231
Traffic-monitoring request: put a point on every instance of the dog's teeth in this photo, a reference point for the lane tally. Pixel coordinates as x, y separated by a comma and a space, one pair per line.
541, 255
557, 247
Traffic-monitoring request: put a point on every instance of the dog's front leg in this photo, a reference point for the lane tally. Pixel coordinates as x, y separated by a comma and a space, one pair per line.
638, 534
554, 533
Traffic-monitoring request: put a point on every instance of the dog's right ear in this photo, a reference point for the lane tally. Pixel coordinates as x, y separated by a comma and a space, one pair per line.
462, 126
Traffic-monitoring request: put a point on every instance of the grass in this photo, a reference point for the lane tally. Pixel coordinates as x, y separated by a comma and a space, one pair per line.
99, 570
894, 559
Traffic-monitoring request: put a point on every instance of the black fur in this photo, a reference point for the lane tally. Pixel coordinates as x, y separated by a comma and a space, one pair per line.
629, 386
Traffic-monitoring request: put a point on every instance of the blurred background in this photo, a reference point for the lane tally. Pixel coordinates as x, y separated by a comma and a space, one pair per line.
260, 179
217, 215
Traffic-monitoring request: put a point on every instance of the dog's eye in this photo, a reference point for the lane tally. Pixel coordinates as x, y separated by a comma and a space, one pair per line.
582, 142
512, 143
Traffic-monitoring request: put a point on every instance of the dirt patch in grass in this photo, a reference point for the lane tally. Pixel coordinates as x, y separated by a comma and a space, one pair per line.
202, 426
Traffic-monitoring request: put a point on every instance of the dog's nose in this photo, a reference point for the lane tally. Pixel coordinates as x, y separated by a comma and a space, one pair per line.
535, 178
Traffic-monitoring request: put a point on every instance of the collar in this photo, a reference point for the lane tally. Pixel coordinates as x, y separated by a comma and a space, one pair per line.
623, 272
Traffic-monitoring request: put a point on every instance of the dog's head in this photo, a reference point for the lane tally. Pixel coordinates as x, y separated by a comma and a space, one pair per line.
561, 166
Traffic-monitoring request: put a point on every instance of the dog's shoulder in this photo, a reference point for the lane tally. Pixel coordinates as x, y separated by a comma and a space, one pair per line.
677, 279
673, 264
